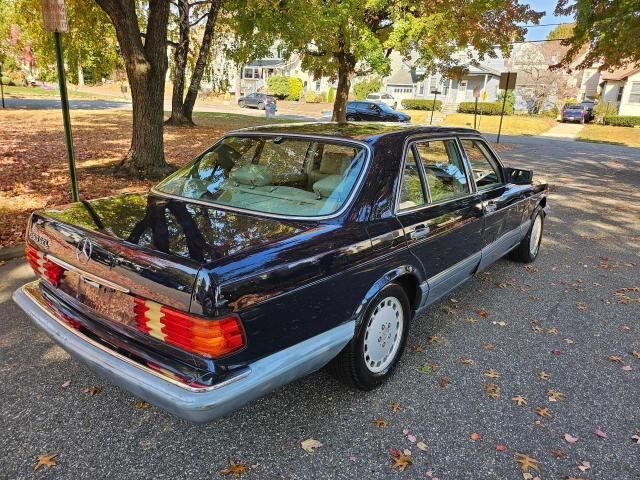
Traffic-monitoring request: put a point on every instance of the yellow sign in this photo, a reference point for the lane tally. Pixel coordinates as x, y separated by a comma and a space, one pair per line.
484, 95
54, 14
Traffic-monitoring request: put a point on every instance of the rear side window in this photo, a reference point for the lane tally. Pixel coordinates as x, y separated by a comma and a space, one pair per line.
486, 172
444, 169
411, 192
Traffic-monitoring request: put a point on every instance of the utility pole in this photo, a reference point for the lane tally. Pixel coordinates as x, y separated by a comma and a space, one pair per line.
54, 13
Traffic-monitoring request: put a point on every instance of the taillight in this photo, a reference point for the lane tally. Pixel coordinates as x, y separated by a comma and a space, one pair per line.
213, 338
42, 266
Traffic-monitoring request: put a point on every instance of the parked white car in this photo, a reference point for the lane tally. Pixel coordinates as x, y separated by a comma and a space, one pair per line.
383, 98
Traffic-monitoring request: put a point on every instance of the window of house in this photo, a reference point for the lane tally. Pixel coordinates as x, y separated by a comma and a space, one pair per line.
444, 169
250, 73
317, 85
433, 84
620, 92
484, 167
421, 89
411, 189
634, 96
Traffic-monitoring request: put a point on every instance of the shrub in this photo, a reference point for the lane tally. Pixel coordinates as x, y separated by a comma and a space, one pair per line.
604, 109
365, 87
485, 108
332, 95
622, 121
511, 100
418, 104
295, 88
278, 86
6, 81
312, 97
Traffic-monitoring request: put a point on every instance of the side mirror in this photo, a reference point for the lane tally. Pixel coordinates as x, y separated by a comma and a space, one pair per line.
518, 176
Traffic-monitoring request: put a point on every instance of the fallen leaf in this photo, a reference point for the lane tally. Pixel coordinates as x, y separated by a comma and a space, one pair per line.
434, 339
526, 462
559, 454
636, 438
395, 407
492, 390
501, 448
544, 375
530, 268
491, 373
401, 462
418, 349
46, 460
466, 361
543, 412
422, 446
66, 384
500, 323
556, 352
552, 331
141, 404
393, 452
600, 433
570, 438
636, 353
380, 423
475, 436
584, 466
537, 329
520, 400
443, 382
488, 346
501, 285
425, 368
471, 320
93, 391
568, 341
482, 313
627, 368
581, 306
615, 358
235, 468
555, 395
310, 445
412, 438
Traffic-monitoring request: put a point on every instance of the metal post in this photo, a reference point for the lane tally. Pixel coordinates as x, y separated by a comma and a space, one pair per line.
504, 102
66, 118
1, 86
435, 96
475, 114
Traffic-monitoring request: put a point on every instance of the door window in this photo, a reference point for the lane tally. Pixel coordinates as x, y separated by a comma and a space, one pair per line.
444, 169
411, 192
486, 172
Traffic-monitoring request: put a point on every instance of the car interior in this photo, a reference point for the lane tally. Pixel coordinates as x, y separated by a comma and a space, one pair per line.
299, 177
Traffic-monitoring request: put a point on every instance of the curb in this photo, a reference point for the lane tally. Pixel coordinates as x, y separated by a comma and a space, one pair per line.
9, 253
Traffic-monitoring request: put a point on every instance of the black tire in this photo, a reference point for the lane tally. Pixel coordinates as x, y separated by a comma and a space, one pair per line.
350, 365
523, 252
261, 106
241, 104
351, 118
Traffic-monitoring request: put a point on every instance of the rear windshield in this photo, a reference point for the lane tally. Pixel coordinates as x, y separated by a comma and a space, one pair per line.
574, 107
272, 174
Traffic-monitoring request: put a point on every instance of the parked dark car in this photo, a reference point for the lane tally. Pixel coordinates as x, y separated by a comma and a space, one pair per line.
374, 111
278, 250
256, 100
577, 112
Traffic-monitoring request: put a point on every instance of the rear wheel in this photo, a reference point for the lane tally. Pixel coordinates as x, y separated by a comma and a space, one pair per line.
241, 104
261, 106
351, 118
370, 357
529, 247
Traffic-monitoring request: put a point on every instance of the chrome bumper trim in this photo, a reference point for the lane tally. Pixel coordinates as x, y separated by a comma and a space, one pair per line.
194, 404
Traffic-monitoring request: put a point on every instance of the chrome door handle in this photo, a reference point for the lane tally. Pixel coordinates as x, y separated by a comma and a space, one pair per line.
490, 207
421, 231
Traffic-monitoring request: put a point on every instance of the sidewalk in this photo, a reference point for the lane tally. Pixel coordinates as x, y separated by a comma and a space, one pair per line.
567, 131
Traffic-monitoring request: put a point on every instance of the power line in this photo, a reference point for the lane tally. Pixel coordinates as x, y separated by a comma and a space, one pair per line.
546, 25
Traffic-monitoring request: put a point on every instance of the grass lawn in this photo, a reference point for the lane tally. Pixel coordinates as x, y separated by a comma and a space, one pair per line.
609, 134
511, 125
33, 162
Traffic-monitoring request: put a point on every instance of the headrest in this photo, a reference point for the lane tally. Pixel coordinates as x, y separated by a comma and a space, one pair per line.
254, 175
334, 163
327, 185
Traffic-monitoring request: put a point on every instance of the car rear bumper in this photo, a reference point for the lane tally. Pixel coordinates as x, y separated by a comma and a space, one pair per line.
190, 403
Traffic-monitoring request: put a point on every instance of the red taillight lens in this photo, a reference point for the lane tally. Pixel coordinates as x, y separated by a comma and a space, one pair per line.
213, 338
42, 266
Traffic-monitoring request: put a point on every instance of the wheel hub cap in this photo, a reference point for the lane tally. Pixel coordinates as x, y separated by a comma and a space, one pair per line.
383, 334
536, 232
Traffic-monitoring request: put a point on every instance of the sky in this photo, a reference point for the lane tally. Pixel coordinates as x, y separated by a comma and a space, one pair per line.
540, 33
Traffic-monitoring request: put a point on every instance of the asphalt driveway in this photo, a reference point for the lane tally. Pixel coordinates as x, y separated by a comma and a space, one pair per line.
566, 316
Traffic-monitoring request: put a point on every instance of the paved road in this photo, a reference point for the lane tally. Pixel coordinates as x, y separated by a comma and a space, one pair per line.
590, 249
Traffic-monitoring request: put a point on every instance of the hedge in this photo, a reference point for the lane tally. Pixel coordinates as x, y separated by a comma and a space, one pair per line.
622, 120
485, 108
416, 104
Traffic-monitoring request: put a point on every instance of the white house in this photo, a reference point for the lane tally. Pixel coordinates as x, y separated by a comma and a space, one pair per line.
622, 87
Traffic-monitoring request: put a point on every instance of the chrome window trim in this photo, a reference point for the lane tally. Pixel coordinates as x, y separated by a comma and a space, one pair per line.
495, 157
347, 204
412, 140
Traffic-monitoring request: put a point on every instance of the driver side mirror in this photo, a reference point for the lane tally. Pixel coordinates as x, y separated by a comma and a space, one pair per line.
518, 176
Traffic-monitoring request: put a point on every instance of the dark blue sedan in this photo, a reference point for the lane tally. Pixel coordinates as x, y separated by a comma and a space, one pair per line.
374, 112
275, 252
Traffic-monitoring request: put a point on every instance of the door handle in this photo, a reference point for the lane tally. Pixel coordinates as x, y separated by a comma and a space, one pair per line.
421, 231
490, 207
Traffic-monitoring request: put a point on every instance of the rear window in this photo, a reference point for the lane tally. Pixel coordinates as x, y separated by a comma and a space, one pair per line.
574, 107
272, 174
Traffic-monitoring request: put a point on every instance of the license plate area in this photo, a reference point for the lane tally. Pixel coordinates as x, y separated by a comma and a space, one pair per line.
106, 301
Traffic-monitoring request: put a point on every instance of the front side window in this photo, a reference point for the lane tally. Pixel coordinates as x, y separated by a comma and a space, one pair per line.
443, 169
486, 172
411, 192
272, 174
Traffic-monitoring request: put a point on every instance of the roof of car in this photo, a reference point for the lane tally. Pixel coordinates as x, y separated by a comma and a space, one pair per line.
363, 131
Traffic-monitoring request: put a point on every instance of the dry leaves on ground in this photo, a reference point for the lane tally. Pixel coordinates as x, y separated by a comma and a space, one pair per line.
235, 469
45, 460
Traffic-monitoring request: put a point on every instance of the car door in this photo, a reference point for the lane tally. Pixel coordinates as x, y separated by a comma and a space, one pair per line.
252, 100
502, 202
440, 213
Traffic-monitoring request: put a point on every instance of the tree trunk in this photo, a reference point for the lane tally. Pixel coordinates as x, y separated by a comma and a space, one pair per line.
238, 83
146, 65
346, 66
80, 74
201, 62
180, 66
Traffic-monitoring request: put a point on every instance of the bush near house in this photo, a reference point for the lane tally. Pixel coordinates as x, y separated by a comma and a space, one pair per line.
312, 97
283, 87
365, 87
418, 104
485, 108
622, 121
295, 88
332, 95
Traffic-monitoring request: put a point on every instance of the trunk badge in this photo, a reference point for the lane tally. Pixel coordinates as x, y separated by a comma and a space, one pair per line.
84, 250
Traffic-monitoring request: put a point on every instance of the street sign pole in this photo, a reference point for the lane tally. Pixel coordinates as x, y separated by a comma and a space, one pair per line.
433, 107
1, 86
54, 13
66, 118
504, 103
475, 114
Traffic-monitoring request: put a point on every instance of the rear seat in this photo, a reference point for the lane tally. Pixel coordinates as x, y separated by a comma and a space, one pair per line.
332, 163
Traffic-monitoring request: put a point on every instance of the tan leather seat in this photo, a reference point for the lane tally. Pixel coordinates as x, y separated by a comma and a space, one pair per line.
332, 163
